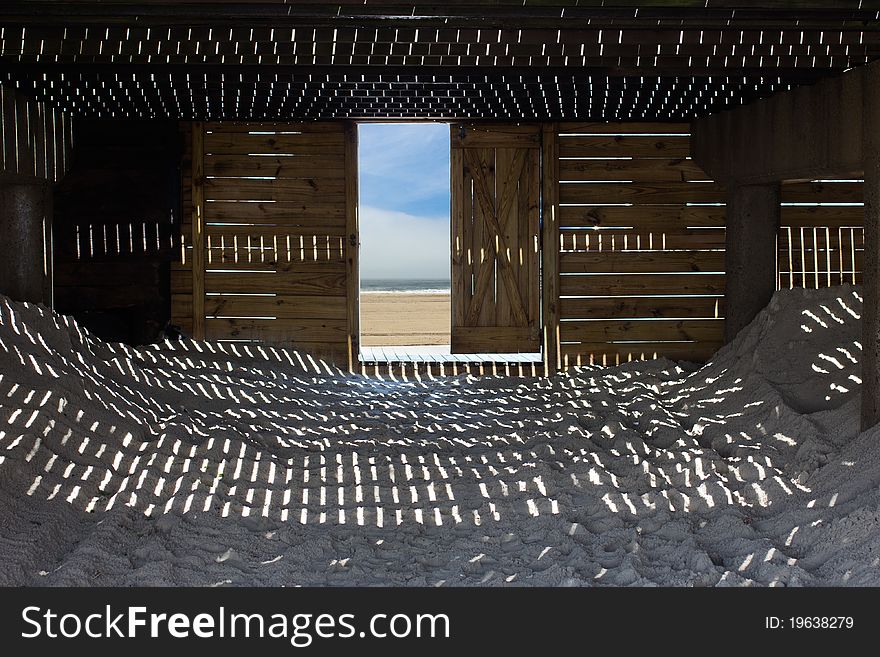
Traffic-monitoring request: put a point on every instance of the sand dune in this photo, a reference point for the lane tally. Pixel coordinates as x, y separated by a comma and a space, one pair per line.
202, 463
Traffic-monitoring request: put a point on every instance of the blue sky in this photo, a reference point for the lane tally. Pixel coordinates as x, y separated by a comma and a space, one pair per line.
404, 200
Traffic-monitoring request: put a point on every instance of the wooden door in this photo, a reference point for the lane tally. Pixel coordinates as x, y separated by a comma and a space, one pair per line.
495, 238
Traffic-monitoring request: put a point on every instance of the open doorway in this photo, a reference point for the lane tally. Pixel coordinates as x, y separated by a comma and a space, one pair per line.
404, 220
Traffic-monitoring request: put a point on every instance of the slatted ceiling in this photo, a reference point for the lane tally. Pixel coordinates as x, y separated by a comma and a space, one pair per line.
263, 93
585, 60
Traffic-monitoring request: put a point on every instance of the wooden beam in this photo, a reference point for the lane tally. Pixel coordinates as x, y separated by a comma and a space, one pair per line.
808, 132
352, 247
198, 230
550, 246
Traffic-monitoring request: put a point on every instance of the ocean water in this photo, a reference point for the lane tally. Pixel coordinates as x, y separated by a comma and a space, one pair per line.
406, 286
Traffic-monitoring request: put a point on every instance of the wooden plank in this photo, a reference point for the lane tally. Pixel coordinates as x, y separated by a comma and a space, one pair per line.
25, 150
506, 186
482, 177
495, 136
640, 284
629, 128
305, 166
269, 330
105, 297
325, 144
51, 117
616, 146
530, 240
315, 280
693, 351
815, 192
256, 264
309, 233
198, 230
550, 246
352, 228
639, 193
310, 192
494, 211
493, 339
643, 170
633, 307
653, 330
305, 127
645, 218
38, 132
590, 240
642, 261
286, 213
462, 261
822, 215
107, 273
181, 308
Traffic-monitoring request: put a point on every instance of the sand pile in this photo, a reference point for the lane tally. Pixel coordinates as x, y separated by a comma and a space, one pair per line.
210, 463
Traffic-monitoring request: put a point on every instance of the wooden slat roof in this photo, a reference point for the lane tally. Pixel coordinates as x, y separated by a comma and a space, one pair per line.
541, 59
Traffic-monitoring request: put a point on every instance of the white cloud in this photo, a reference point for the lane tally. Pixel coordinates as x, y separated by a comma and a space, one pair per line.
401, 245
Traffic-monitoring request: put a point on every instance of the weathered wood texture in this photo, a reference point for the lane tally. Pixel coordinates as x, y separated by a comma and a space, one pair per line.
276, 259
642, 270
536, 60
35, 138
550, 239
642, 239
495, 238
352, 250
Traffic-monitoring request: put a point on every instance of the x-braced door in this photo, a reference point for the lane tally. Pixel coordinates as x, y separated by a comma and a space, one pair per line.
496, 183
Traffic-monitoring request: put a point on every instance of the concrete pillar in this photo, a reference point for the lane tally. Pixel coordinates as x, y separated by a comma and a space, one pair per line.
871, 269
750, 258
26, 239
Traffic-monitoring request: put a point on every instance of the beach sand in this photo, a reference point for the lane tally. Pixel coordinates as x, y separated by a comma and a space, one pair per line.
389, 319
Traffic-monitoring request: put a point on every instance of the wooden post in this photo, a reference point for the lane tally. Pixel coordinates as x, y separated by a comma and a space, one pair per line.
550, 247
870, 414
750, 257
352, 243
198, 230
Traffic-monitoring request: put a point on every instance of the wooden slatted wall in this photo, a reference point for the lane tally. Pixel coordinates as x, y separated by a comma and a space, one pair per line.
821, 237
36, 137
276, 251
641, 245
